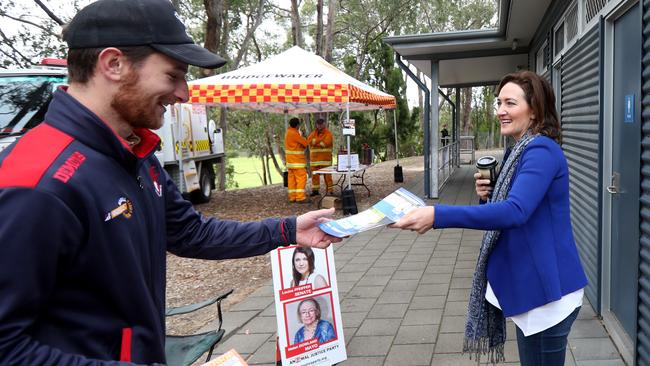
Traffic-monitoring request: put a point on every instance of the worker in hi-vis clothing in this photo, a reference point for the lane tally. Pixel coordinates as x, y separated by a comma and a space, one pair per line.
320, 154
294, 146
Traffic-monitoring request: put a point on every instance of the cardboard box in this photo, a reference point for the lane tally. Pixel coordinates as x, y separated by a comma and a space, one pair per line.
331, 201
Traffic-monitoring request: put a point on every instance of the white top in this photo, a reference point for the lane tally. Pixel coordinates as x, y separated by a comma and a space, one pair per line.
310, 279
541, 318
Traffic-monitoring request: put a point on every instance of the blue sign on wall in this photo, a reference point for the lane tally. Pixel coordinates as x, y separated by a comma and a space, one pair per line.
629, 109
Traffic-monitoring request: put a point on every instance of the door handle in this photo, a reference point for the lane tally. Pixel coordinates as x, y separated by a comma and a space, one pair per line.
613, 187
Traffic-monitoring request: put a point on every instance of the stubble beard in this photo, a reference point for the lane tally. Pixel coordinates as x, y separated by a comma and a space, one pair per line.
135, 105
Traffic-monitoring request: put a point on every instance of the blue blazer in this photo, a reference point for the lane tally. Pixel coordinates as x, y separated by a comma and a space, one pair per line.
324, 332
535, 260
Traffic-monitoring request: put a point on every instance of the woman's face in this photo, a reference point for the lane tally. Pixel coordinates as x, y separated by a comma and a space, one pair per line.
513, 111
301, 264
308, 313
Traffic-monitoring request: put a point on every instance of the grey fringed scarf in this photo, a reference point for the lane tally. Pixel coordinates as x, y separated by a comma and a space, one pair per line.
485, 330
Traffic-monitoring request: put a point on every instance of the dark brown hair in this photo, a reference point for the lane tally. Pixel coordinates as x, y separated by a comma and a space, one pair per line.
294, 122
316, 304
82, 61
310, 260
541, 99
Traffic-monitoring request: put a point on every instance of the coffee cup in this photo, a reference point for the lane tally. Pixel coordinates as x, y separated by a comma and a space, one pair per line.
487, 166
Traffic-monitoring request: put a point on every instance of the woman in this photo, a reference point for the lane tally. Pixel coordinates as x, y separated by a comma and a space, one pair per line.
312, 326
528, 265
303, 269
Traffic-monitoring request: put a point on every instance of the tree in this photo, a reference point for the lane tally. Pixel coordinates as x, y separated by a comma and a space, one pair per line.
37, 34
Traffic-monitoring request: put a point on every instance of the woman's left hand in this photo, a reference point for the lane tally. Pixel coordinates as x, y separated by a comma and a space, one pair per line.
418, 219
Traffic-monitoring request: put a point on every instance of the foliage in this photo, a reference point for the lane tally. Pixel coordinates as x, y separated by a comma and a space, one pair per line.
28, 35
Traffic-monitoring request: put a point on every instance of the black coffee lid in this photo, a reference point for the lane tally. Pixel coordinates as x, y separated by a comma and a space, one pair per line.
486, 162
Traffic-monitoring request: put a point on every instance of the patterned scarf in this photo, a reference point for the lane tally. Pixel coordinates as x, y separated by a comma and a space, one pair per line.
485, 330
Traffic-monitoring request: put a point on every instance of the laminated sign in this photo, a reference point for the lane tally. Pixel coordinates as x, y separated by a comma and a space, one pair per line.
310, 331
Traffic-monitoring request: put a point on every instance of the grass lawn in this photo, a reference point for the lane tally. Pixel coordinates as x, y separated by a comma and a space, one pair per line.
248, 171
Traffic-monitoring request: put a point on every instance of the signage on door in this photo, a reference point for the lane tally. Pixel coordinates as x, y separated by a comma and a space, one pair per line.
629, 109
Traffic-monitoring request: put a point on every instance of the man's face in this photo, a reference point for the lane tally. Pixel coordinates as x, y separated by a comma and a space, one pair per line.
148, 88
320, 126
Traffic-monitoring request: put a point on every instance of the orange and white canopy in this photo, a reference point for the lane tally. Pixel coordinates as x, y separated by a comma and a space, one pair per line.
295, 81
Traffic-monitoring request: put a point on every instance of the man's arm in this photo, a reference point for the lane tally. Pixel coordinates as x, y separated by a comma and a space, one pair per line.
192, 235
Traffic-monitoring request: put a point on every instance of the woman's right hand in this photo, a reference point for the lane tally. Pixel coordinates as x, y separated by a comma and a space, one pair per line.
483, 188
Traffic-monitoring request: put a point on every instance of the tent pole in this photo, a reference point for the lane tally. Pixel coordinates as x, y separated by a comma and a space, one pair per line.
395, 127
347, 117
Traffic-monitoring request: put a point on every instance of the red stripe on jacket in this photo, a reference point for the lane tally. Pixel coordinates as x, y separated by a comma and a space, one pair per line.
33, 154
125, 350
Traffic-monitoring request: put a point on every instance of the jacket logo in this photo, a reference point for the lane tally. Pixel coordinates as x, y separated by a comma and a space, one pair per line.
154, 174
69, 167
124, 208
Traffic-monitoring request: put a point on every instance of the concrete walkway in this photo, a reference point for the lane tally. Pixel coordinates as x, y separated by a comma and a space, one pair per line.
404, 299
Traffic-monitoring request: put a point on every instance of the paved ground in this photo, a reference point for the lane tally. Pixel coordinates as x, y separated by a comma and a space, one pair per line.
404, 300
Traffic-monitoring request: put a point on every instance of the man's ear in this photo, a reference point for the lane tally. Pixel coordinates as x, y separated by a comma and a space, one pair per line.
111, 64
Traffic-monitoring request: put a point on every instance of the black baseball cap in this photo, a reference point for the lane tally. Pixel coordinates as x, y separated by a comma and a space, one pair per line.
125, 23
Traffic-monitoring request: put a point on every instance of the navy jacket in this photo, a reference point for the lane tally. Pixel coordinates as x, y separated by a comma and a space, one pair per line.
535, 260
84, 229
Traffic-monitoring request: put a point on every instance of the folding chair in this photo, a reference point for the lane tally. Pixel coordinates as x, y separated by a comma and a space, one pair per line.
183, 350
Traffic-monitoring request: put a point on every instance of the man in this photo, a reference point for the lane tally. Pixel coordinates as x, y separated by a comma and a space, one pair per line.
320, 150
87, 211
444, 135
294, 148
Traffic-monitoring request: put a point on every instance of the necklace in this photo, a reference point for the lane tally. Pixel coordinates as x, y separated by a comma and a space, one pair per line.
132, 139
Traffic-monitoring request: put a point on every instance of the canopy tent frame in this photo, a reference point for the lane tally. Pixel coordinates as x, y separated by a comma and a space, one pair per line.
294, 81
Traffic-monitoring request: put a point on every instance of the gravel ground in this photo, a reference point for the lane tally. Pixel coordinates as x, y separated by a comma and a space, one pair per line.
194, 280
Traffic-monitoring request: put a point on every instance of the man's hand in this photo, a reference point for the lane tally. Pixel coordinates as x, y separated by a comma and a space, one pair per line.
309, 234
418, 219
483, 188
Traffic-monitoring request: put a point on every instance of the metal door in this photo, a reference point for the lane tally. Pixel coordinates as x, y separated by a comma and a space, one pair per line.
624, 184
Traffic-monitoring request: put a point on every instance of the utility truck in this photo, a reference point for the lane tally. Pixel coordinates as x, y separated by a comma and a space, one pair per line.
191, 144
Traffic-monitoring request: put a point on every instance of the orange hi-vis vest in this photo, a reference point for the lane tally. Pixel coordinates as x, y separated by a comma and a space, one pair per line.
320, 148
294, 146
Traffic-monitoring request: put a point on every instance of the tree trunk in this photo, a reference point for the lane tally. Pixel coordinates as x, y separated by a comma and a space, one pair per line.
329, 29
296, 26
269, 146
250, 31
214, 28
489, 112
466, 111
263, 158
319, 27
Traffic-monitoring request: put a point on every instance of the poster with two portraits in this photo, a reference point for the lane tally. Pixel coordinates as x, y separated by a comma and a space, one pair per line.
310, 331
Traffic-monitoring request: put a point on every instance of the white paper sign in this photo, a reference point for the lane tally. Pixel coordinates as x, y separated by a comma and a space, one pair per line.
310, 331
342, 162
348, 127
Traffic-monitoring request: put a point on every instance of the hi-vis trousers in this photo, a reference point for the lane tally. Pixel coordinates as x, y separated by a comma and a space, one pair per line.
315, 179
297, 183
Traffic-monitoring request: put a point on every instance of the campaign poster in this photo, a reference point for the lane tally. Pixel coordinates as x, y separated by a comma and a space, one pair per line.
307, 307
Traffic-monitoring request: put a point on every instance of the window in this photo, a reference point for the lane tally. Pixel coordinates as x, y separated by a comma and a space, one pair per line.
567, 29
571, 23
558, 40
541, 59
593, 7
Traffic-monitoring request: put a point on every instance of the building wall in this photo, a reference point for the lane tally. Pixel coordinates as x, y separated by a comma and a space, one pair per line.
581, 121
576, 78
643, 335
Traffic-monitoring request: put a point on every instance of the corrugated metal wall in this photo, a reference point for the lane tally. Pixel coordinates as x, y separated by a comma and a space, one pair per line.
580, 79
643, 336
